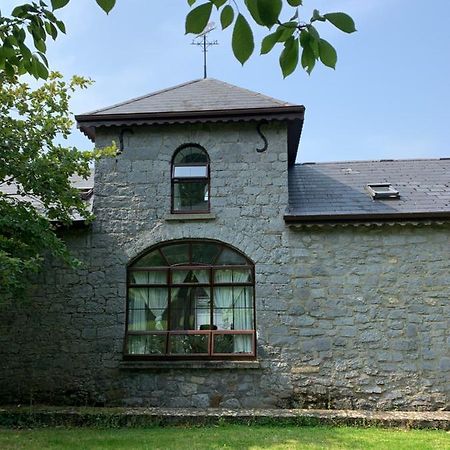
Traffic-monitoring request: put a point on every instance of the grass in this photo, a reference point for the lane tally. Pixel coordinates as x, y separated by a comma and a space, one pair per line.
224, 437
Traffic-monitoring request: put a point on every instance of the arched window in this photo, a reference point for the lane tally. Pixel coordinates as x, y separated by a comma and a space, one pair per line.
191, 299
190, 180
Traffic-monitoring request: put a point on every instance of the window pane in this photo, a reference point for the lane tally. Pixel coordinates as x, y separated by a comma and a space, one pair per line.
191, 155
233, 276
147, 345
152, 277
152, 298
223, 297
187, 344
233, 296
190, 276
190, 196
230, 257
204, 253
147, 320
151, 259
190, 308
224, 319
177, 254
233, 319
190, 171
233, 343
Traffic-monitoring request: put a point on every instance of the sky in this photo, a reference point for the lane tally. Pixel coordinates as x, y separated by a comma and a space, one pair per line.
388, 98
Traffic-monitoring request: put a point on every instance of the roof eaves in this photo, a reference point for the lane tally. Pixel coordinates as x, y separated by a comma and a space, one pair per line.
88, 123
318, 219
295, 109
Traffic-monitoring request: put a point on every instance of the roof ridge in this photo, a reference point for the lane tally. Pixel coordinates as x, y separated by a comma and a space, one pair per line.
141, 97
362, 161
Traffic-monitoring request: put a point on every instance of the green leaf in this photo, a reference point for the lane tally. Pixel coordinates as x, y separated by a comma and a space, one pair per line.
342, 21
106, 5
218, 3
308, 60
41, 70
327, 53
9, 69
289, 56
190, 2
313, 40
26, 52
295, 2
51, 30
269, 11
198, 18
308, 56
56, 4
61, 26
252, 6
44, 59
286, 30
269, 41
19, 11
242, 40
317, 16
40, 45
226, 16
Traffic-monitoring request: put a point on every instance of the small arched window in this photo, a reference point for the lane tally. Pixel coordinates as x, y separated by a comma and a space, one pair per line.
191, 299
190, 180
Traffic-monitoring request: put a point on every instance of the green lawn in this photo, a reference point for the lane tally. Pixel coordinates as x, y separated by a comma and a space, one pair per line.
223, 437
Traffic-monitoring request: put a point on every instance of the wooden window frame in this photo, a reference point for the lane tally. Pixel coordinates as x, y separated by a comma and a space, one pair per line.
179, 180
212, 267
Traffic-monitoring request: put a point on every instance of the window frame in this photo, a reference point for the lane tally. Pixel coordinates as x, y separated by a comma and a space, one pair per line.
211, 285
178, 180
383, 191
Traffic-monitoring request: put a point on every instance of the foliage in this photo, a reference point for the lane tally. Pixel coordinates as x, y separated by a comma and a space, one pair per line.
38, 21
30, 121
292, 34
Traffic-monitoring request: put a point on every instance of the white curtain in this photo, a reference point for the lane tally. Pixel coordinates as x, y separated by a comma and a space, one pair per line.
223, 296
242, 313
237, 300
202, 313
142, 301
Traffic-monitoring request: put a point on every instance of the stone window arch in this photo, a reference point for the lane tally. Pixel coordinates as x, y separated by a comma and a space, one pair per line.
190, 180
191, 299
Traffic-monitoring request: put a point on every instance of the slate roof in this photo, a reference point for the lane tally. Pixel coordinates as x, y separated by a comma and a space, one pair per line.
86, 188
206, 94
320, 192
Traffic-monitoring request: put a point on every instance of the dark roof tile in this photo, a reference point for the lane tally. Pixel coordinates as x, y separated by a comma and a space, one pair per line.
339, 188
206, 94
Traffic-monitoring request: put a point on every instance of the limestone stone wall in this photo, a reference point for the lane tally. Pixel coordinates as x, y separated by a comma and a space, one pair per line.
351, 317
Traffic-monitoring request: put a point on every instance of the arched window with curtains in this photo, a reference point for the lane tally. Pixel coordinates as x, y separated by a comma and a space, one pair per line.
191, 299
190, 176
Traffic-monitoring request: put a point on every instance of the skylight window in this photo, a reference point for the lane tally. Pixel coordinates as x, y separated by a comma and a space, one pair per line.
382, 191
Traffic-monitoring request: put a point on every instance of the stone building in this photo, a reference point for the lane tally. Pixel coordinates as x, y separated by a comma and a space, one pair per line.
220, 273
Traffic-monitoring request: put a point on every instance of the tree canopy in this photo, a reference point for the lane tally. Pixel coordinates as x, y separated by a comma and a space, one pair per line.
39, 171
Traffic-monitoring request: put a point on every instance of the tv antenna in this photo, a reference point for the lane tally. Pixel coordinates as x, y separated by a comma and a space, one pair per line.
202, 41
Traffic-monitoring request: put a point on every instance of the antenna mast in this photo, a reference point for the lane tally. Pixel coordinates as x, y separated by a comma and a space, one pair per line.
202, 41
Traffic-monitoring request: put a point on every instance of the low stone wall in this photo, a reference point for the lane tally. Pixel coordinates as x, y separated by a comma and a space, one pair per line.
148, 417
